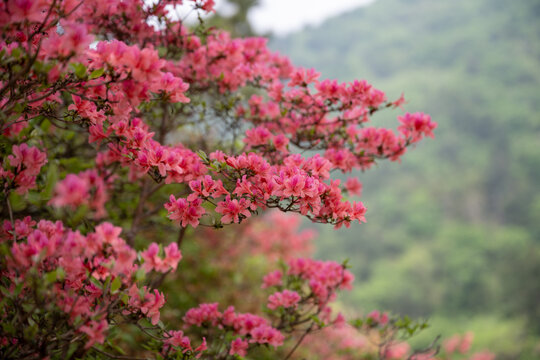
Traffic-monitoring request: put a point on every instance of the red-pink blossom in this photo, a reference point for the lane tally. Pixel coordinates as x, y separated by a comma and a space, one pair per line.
272, 279
285, 298
396, 350
204, 313
184, 211
239, 347
267, 335
233, 209
95, 331
353, 186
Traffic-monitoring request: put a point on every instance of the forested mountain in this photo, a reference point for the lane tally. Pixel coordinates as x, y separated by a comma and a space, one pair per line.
453, 231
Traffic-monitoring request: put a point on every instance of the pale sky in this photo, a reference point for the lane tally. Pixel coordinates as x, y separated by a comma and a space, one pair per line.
285, 16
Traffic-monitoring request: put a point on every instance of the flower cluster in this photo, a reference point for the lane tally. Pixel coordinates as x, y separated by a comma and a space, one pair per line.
152, 261
111, 111
285, 299
323, 277
21, 168
384, 339
87, 272
86, 188
110, 82
250, 329
278, 236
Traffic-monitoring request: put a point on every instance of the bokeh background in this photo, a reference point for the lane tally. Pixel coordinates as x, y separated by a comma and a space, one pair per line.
453, 232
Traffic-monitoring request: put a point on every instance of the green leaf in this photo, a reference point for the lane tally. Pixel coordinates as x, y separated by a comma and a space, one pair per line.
125, 298
9, 328
60, 274
5, 291
115, 285
50, 277
96, 73
202, 155
96, 282
107, 282
16, 53
30, 332
79, 69
71, 350
140, 275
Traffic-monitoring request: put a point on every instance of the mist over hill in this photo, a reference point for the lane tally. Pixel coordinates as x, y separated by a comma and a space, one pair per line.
453, 231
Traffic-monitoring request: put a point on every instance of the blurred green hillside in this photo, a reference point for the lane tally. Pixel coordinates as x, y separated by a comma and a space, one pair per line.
453, 231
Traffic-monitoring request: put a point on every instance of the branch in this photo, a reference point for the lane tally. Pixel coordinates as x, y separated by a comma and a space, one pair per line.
181, 235
308, 330
428, 349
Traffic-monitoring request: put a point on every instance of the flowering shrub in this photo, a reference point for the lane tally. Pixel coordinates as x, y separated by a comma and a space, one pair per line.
124, 132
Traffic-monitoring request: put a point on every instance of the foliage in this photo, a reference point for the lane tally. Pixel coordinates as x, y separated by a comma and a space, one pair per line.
463, 247
116, 116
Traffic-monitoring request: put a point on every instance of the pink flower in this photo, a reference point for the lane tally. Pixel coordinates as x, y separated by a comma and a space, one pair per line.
272, 279
185, 212
233, 209
374, 316
125, 260
265, 334
239, 347
303, 77
201, 348
205, 313
353, 186
174, 87
30, 157
151, 259
324, 277
151, 305
396, 351
415, 126
281, 142
384, 319
74, 40
86, 188
294, 186
229, 316
172, 256
27, 162
399, 102
178, 339
466, 342
95, 331
377, 318
206, 5
451, 344
207, 187
258, 136
245, 323
31, 10
459, 343
108, 233
286, 299
318, 166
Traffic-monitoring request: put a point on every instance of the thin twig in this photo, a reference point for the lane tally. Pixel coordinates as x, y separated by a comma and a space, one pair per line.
308, 330
181, 235
431, 347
